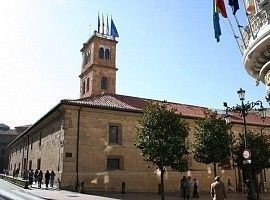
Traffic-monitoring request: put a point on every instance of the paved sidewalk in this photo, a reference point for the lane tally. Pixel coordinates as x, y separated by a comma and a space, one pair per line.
54, 193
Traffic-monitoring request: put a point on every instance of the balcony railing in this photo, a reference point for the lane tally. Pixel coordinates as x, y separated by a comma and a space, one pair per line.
257, 22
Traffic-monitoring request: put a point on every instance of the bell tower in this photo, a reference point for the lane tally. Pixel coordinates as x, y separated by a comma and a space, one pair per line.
98, 72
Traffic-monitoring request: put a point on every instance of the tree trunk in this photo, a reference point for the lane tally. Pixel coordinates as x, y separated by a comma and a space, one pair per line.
215, 169
162, 196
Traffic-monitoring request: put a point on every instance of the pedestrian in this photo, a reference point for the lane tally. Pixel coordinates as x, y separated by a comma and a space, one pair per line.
195, 188
182, 182
14, 173
40, 178
218, 190
17, 172
31, 177
52, 178
36, 175
47, 178
230, 189
188, 188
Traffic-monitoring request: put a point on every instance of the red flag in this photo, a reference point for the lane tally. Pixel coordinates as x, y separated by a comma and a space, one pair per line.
220, 8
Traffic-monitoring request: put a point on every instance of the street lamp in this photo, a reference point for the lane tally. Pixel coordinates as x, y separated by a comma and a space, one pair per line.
243, 110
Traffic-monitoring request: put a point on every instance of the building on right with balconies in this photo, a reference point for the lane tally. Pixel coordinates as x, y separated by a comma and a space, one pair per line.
256, 43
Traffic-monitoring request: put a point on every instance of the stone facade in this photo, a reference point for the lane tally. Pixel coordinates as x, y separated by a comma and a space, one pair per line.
72, 130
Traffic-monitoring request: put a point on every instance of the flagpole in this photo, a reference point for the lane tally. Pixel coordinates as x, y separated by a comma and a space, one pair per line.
235, 37
239, 28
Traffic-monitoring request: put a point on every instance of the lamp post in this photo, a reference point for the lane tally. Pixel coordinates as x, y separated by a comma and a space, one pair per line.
229, 123
243, 111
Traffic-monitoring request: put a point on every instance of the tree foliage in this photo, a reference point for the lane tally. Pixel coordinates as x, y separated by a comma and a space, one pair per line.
161, 137
212, 141
259, 148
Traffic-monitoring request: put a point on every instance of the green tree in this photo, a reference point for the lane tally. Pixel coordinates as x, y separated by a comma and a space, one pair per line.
161, 136
212, 141
260, 153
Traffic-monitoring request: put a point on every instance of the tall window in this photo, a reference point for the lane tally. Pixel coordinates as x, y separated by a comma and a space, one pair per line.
113, 134
107, 54
101, 53
87, 84
38, 164
30, 164
83, 87
31, 142
113, 164
104, 83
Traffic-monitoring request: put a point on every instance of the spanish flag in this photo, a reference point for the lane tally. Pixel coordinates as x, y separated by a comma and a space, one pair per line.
220, 8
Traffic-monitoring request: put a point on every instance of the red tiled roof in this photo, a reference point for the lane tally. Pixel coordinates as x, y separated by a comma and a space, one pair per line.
130, 103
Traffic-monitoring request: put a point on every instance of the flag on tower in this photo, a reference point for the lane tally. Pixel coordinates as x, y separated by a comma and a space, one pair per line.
234, 4
216, 26
220, 8
102, 25
114, 32
107, 26
98, 23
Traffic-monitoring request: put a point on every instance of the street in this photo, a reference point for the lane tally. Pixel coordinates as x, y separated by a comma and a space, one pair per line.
9, 191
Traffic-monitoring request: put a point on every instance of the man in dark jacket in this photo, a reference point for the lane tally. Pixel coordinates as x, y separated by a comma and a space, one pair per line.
47, 178
218, 191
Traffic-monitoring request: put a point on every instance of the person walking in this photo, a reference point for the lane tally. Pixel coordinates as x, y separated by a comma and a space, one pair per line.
36, 175
188, 188
47, 178
195, 188
40, 178
218, 190
31, 177
52, 178
230, 187
182, 188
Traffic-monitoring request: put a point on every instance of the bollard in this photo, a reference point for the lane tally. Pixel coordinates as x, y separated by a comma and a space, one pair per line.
123, 191
82, 187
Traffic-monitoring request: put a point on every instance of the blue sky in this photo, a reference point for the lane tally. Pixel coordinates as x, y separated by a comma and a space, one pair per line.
166, 51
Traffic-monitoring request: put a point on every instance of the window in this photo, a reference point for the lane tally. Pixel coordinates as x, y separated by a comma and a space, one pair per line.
113, 134
31, 142
69, 155
101, 53
104, 83
38, 164
83, 87
107, 54
113, 164
89, 56
30, 164
87, 84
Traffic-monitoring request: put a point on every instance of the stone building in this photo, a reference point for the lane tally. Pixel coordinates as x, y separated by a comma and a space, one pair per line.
7, 135
91, 139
